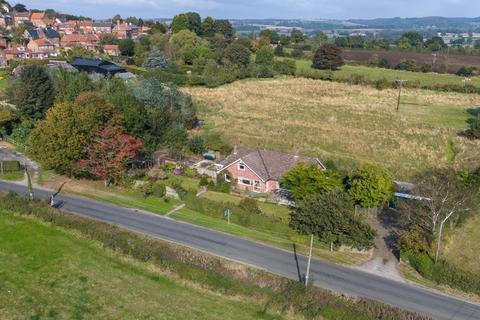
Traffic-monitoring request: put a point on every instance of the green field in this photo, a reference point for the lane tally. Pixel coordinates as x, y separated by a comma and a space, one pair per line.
48, 273
427, 79
344, 123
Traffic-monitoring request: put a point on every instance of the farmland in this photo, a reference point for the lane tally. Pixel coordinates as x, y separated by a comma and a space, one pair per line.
47, 272
372, 74
451, 63
344, 123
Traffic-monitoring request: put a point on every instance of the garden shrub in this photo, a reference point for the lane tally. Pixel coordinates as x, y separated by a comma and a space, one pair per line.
249, 205
159, 190
203, 181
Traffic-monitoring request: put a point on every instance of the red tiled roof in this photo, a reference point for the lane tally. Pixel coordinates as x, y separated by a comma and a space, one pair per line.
111, 47
267, 164
37, 15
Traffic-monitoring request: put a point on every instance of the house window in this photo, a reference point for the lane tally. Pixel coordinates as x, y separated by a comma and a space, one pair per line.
228, 178
256, 185
244, 181
241, 166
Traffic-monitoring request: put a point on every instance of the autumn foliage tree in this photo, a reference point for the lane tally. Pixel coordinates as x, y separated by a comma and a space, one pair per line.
328, 57
111, 153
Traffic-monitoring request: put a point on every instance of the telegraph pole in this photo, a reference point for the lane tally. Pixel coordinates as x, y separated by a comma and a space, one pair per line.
400, 85
307, 275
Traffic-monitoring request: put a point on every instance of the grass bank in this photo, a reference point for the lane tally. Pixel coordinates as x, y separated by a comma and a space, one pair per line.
47, 272
70, 273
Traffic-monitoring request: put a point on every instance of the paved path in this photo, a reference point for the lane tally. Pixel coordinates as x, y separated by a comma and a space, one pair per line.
349, 281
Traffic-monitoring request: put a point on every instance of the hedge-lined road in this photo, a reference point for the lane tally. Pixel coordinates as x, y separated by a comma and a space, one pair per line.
340, 279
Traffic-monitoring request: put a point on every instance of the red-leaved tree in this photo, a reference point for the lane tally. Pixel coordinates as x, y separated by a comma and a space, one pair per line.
110, 154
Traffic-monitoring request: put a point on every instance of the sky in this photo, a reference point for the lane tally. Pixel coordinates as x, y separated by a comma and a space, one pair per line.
284, 9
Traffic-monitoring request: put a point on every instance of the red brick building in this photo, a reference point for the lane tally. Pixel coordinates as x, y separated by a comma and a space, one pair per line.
259, 170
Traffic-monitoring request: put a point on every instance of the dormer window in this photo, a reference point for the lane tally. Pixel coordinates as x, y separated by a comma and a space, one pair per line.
241, 166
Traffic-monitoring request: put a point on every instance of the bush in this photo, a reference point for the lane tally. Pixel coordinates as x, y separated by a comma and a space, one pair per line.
146, 189
221, 186
286, 66
422, 263
181, 191
465, 72
159, 190
382, 84
214, 141
249, 205
196, 145
203, 181
407, 65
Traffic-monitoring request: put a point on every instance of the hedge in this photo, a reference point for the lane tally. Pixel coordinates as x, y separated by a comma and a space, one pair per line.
444, 273
10, 166
279, 293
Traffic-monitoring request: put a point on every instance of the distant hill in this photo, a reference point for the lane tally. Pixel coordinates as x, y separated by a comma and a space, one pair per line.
424, 23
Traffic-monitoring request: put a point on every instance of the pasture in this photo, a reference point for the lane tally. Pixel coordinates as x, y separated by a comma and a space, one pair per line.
344, 123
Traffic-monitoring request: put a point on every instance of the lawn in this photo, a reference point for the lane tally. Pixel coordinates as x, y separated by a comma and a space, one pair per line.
270, 209
344, 123
427, 79
285, 239
12, 176
116, 195
463, 246
49, 273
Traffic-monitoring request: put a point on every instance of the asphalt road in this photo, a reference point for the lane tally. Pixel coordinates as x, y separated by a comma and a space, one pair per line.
340, 279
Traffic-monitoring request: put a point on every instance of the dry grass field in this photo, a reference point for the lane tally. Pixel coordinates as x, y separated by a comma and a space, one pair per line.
343, 123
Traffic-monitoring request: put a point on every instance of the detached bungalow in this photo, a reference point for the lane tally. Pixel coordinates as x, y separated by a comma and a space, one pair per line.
259, 170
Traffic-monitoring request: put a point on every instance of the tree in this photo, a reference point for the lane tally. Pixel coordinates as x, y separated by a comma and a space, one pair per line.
371, 185
330, 216
69, 85
279, 51
62, 138
208, 27
297, 36
435, 43
190, 46
157, 27
414, 39
384, 63
270, 34
442, 196
407, 65
110, 154
108, 38
127, 47
194, 22
328, 57
306, 179
32, 92
179, 23
157, 60
465, 72
116, 18
237, 54
20, 8
79, 52
265, 56
225, 28
320, 39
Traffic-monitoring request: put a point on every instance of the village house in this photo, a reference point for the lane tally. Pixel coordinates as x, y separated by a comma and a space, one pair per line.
44, 46
112, 50
20, 17
40, 20
87, 41
258, 170
102, 27
122, 30
17, 52
97, 66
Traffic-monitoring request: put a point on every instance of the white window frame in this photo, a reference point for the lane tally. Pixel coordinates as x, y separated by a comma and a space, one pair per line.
257, 187
241, 164
240, 181
228, 177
